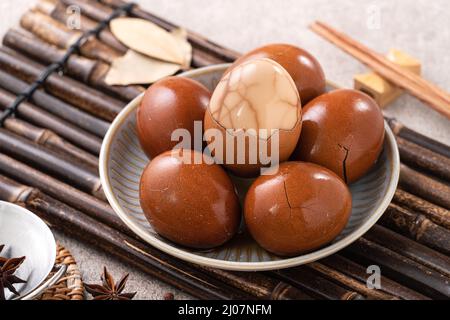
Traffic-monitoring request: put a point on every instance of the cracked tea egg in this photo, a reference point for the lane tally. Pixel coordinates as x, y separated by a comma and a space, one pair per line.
301, 208
189, 200
343, 130
169, 104
254, 117
304, 69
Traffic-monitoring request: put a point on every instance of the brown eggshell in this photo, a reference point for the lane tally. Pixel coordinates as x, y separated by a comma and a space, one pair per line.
256, 95
301, 208
167, 105
304, 69
343, 130
194, 205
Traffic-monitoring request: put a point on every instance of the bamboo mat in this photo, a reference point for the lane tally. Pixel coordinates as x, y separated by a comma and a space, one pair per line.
413, 273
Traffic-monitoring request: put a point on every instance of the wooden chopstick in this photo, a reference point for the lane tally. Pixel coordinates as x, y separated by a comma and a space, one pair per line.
427, 92
380, 60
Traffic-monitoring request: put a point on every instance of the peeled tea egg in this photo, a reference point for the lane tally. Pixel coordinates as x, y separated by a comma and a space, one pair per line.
304, 69
343, 130
257, 100
301, 208
169, 104
192, 204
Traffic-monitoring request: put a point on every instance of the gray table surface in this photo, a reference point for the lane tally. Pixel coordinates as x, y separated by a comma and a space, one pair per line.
419, 27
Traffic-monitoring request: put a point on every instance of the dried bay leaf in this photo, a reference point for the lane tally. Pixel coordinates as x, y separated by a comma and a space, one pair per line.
149, 39
181, 35
136, 68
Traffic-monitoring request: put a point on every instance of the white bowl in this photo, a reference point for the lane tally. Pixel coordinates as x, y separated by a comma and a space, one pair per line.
122, 161
25, 234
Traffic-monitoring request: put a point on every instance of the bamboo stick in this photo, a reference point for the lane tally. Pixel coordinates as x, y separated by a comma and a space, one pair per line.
203, 59
131, 251
56, 106
212, 53
48, 29
433, 212
341, 278
13, 192
58, 11
409, 248
63, 87
44, 119
418, 227
91, 9
422, 158
63, 192
56, 164
400, 268
352, 269
424, 186
408, 134
317, 286
49, 139
57, 33
86, 70
44, 53
259, 285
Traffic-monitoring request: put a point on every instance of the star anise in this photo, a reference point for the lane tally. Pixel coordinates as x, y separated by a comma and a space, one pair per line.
7, 278
109, 290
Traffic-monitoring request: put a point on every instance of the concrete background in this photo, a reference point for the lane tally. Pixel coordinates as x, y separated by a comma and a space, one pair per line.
419, 27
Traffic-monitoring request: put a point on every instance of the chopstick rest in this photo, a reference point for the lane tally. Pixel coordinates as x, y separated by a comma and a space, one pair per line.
383, 91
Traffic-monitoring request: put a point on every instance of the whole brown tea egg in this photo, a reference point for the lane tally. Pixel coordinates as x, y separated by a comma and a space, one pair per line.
169, 104
257, 112
304, 69
189, 200
301, 208
343, 130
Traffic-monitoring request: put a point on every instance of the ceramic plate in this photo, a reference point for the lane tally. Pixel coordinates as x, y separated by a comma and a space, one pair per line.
122, 162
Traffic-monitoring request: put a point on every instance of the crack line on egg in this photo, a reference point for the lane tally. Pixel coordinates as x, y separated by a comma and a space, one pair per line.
286, 194
344, 162
291, 207
308, 207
